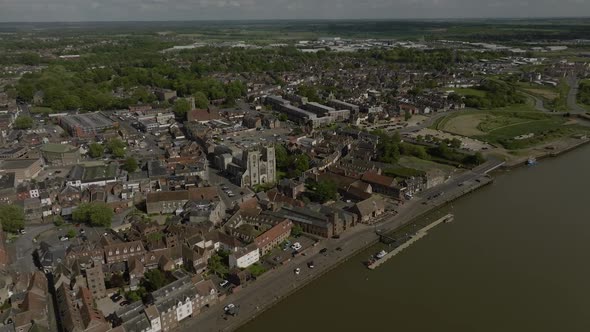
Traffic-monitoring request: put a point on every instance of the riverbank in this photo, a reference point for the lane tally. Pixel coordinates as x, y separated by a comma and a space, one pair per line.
276, 285
547, 151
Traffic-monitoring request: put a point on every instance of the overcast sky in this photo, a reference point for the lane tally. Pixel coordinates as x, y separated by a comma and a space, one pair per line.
135, 10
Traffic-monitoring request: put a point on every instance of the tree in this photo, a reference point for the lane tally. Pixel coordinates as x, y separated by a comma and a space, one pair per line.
58, 221
96, 150
283, 117
181, 107
297, 230
154, 280
71, 233
12, 218
130, 165
116, 147
95, 214
455, 143
407, 115
322, 191
201, 100
23, 122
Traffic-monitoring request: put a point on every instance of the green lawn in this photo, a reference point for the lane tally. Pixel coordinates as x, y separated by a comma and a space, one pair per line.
424, 165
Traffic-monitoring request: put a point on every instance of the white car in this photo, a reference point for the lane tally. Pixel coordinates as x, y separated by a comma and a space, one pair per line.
223, 283
63, 238
229, 307
296, 246
297, 271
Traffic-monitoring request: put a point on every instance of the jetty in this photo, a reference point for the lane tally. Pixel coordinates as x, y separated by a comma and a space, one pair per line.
419, 234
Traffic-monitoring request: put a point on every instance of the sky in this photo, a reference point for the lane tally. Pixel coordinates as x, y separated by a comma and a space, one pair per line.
164, 10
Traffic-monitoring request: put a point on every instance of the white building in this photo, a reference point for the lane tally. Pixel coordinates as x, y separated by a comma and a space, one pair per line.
244, 257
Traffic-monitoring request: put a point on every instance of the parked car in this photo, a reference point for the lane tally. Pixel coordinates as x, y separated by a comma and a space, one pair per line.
223, 283
339, 249
297, 271
310, 265
296, 246
63, 238
229, 307
116, 297
123, 303
323, 250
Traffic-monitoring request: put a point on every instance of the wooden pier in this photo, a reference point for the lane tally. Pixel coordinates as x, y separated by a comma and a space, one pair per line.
420, 234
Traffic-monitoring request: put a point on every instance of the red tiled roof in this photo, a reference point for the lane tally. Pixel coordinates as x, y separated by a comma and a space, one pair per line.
373, 177
273, 233
202, 115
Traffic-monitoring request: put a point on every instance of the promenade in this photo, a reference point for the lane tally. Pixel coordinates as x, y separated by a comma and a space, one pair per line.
275, 285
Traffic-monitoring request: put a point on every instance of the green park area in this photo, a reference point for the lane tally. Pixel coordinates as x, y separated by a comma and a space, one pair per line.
514, 127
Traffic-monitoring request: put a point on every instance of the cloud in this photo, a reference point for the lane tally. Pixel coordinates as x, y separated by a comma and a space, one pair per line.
131, 10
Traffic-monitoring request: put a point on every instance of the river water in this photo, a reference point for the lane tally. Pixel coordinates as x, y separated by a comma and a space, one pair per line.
516, 258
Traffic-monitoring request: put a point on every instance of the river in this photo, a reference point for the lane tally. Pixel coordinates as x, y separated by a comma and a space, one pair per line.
516, 258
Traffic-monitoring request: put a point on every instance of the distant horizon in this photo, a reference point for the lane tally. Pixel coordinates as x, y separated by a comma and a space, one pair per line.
78, 11
474, 18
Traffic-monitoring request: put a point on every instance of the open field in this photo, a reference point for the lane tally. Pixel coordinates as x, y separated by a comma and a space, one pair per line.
510, 129
546, 93
425, 165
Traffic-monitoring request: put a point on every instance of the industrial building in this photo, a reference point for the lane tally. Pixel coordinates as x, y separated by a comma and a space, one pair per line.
86, 125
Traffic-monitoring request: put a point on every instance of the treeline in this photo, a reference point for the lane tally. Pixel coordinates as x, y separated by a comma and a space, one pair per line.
390, 148
93, 89
497, 94
584, 93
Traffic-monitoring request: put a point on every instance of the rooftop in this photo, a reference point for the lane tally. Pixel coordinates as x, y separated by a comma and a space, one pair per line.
57, 148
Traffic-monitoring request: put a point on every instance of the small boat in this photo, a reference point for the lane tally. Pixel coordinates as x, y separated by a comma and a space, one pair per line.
380, 254
297, 270
531, 161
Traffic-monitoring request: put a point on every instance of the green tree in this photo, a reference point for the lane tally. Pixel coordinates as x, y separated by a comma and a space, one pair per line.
297, 230
23, 122
58, 221
116, 147
96, 150
455, 143
12, 218
283, 117
181, 107
130, 165
407, 115
201, 100
95, 214
71, 233
322, 191
154, 280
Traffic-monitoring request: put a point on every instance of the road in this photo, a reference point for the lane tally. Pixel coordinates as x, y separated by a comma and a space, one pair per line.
275, 285
21, 249
572, 102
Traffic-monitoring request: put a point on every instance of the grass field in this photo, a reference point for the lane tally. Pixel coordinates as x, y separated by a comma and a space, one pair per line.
512, 128
424, 165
